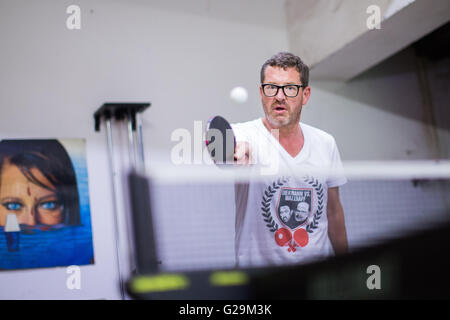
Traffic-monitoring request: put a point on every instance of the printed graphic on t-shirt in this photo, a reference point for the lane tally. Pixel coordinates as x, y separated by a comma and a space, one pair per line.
298, 211
294, 206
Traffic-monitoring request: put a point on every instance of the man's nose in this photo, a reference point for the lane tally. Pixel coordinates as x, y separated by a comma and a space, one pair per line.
27, 217
280, 94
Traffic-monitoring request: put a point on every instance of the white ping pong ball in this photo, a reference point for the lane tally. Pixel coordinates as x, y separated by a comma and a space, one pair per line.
238, 95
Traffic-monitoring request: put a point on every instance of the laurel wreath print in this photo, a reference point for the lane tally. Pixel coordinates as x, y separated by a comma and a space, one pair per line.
267, 199
319, 190
270, 191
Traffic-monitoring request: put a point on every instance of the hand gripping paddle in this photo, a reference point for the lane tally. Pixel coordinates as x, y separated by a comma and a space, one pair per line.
220, 141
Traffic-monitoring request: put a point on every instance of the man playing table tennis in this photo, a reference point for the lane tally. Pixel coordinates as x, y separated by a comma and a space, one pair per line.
265, 234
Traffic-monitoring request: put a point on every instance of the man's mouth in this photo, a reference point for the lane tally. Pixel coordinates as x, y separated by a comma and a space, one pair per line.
279, 108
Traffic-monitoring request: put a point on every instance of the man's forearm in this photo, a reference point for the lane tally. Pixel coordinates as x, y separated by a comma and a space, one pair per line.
337, 232
336, 222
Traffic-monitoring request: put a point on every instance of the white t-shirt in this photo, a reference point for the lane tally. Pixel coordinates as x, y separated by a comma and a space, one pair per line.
282, 219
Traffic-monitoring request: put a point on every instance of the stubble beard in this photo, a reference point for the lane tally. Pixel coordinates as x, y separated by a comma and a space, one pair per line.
290, 119
277, 123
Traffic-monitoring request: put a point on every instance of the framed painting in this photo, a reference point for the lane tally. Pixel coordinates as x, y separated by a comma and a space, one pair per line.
45, 218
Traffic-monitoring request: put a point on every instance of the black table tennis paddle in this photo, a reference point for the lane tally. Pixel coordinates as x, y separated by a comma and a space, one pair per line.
220, 141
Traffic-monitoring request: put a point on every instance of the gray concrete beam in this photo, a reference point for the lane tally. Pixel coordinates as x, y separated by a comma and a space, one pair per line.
332, 36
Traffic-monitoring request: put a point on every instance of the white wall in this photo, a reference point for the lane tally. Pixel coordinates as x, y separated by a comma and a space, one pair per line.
183, 58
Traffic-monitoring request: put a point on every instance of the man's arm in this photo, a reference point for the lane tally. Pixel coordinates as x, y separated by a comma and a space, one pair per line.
336, 222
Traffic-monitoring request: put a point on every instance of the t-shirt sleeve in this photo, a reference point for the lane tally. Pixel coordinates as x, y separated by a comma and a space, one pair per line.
240, 132
337, 177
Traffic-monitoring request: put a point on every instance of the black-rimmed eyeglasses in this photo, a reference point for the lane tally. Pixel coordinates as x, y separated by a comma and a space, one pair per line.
289, 90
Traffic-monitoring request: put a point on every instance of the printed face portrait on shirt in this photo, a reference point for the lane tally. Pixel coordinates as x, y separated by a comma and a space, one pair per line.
302, 211
285, 213
294, 206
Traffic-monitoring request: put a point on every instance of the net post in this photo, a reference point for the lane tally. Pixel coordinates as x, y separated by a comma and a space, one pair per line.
119, 112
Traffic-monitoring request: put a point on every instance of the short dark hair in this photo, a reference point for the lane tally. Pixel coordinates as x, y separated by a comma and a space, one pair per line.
287, 60
49, 157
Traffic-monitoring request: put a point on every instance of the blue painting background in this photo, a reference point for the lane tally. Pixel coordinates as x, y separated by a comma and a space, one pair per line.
64, 246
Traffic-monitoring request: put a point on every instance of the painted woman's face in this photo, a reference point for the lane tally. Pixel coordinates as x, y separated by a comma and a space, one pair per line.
32, 204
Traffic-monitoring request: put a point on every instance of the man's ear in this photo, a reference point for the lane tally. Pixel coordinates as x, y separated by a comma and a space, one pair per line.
306, 94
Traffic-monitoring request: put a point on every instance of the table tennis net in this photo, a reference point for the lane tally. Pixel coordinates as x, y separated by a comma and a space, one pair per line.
193, 208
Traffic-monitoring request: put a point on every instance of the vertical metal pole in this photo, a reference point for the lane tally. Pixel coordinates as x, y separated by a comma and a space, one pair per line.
116, 223
131, 125
140, 144
131, 146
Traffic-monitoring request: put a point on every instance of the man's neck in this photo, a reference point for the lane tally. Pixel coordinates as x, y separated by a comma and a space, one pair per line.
291, 131
290, 137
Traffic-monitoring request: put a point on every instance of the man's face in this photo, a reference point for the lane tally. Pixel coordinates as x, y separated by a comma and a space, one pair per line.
282, 111
302, 211
285, 213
